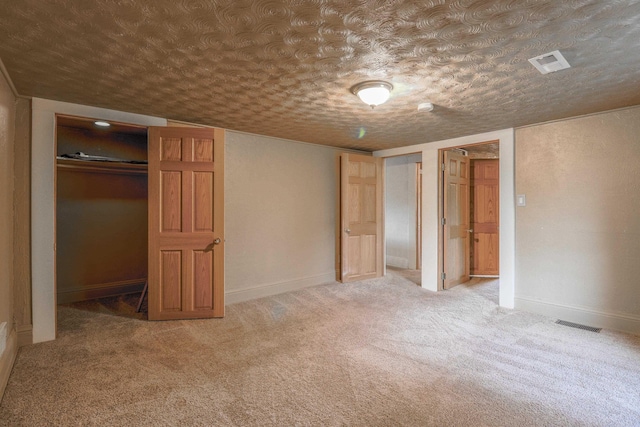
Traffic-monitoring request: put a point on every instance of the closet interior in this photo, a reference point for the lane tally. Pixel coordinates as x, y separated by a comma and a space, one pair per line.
101, 209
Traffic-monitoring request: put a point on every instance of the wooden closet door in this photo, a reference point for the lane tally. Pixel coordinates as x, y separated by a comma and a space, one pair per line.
186, 223
456, 214
360, 217
486, 217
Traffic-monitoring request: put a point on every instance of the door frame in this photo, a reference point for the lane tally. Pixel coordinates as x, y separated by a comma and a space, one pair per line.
139, 283
430, 220
417, 177
441, 242
43, 166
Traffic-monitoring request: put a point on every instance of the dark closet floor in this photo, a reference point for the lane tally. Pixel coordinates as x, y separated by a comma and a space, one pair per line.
121, 305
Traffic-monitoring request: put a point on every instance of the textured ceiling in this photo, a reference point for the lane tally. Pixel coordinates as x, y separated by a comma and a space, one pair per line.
284, 68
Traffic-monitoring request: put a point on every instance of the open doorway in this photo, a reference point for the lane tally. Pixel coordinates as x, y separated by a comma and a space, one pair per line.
403, 215
469, 211
101, 213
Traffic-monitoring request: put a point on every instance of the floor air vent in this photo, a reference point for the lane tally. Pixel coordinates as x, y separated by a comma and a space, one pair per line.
577, 325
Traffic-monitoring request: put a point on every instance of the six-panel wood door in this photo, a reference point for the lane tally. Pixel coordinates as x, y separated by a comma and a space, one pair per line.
456, 214
485, 217
360, 217
186, 223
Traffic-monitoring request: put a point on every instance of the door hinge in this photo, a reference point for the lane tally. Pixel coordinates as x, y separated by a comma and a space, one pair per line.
442, 166
443, 276
443, 221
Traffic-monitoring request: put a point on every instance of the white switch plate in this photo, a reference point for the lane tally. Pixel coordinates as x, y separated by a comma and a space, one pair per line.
521, 200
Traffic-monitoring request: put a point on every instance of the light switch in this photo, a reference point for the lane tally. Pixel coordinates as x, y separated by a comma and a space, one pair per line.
521, 200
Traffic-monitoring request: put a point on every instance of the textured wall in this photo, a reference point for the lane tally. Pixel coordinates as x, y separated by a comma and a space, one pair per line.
578, 238
7, 118
400, 210
22, 226
279, 215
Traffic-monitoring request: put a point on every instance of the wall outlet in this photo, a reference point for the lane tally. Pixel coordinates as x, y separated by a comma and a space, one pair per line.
3, 337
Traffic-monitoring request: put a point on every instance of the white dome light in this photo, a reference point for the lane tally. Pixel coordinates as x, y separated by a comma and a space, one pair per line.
373, 93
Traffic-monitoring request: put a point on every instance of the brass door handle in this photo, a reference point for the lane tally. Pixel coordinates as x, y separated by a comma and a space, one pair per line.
216, 241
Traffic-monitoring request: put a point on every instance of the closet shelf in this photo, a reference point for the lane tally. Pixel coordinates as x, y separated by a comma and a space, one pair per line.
102, 167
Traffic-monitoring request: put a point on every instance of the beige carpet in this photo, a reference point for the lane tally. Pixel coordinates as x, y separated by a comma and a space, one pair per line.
377, 353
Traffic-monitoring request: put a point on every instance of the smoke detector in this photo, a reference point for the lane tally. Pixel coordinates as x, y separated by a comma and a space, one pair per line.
425, 106
550, 62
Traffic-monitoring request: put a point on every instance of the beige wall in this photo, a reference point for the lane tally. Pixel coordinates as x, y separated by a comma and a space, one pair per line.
279, 215
578, 237
8, 338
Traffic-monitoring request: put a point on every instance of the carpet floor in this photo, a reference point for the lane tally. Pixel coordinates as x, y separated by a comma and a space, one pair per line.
380, 352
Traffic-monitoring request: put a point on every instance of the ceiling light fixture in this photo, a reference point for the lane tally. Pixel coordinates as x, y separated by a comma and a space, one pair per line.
102, 123
373, 92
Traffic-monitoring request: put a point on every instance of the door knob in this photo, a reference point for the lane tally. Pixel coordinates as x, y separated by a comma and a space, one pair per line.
216, 241
346, 230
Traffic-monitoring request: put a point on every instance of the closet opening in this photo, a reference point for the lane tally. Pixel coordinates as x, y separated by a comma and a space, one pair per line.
101, 209
403, 216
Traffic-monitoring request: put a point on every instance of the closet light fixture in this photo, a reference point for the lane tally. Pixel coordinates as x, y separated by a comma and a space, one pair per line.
102, 123
373, 92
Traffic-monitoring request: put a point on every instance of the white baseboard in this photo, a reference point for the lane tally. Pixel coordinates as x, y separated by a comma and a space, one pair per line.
269, 289
582, 315
398, 262
6, 360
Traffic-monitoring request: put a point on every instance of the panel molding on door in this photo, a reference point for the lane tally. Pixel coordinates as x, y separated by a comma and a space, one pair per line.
456, 236
186, 223
361, 233
485, 223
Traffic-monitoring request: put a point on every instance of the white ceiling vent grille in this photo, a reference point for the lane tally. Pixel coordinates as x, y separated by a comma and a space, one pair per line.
550, 62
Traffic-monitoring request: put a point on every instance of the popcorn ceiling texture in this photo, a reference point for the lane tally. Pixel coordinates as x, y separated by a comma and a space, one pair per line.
284, 68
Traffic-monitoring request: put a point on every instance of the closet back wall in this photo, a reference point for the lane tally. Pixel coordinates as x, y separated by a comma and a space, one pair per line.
101, 215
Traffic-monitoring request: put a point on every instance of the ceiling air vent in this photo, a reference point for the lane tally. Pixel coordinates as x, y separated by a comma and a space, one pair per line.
550, 62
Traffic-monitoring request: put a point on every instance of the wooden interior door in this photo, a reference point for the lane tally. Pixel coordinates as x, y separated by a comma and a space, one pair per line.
456, 219
186, 223
360, 217
485, 184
